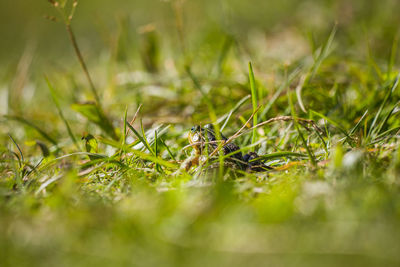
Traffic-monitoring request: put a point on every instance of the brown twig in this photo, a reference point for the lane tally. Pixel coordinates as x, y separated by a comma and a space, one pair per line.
133, 119
302, 121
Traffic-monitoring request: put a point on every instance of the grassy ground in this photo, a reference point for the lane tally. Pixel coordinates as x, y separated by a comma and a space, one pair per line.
92, 139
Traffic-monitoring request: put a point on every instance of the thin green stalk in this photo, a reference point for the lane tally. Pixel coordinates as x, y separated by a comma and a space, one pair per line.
168, 150
82, 62
158, 168
389, 92
67, 18
123, 141
254, 100
145, 138
142, 140
19, 149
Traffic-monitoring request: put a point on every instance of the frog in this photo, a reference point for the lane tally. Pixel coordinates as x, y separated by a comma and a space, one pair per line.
208, 146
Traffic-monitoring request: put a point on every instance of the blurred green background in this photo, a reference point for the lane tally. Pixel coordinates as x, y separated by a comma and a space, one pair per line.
115, 41
97, 22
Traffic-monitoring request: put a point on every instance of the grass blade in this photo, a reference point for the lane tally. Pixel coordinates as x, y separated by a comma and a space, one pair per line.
168, 150
352, 131
254, 101
387, 118
145, 138
142, 140
389, 92
158, 168
281, 154
19, 149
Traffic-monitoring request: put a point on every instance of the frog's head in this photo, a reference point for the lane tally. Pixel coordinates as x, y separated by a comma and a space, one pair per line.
199, 136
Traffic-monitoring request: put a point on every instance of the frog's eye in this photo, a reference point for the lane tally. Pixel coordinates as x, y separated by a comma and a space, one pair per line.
195, 128
195, 138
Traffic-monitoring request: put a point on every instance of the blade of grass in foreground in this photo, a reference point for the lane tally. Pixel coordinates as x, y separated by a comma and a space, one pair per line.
145, 139
282, 154
19, 149
168, 150
253, 100
389, 92
142, 140
123, 141
358, 123
158, 168
125, 126
385, 120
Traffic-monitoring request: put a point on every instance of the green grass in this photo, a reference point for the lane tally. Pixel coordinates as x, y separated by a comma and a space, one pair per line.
91, 146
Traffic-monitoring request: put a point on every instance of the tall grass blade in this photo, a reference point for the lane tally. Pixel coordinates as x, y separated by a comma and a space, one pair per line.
254, 101
142, 140
354, 129
19, 149
388, 94
281, 154
145, 138
387, 117
158, 168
